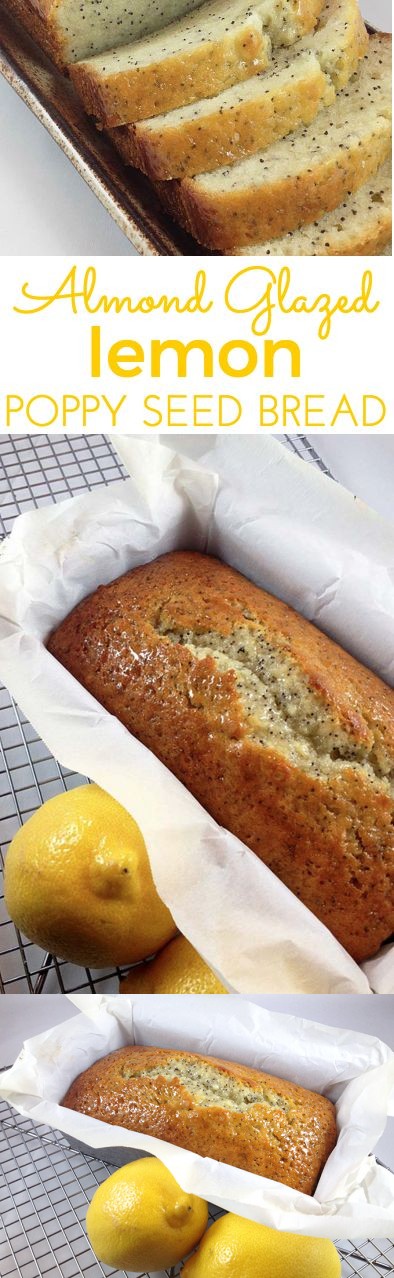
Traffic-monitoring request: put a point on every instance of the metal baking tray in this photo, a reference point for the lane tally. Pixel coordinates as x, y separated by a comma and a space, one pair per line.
36, 470
45, 1188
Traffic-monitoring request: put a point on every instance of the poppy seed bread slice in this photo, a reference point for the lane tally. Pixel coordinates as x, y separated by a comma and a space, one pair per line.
362, 225
215, 1108
216, 47
300, 178
221, 130
251, 116
68, 30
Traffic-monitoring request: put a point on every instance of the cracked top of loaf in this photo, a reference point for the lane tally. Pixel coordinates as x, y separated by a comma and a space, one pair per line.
214, 1108
283, 736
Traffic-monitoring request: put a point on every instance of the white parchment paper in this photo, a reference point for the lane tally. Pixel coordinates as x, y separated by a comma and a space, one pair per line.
291, 530
355, 1196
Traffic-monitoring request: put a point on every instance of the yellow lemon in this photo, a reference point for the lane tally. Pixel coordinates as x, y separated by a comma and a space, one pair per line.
78, 882
238, 1248
177, 970
140, 1219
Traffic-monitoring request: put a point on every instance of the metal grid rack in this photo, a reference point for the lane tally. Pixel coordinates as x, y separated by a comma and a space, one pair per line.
37, 471
46, 1188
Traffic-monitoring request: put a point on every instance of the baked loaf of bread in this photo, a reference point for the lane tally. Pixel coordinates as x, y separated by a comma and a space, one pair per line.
214, 1108
251, 116
298, 179
219, 46
361, 225
281, 735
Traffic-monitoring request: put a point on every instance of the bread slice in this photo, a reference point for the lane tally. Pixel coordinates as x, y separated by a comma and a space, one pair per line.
362, 225
251, 116
68, 30
215, 131
301, 177
218, 46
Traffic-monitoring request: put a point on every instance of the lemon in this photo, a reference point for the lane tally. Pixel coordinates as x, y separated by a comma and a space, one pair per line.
78, 882
177, 970
140, 1219
238, 1248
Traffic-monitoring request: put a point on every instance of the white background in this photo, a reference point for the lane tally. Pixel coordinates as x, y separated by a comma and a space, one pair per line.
22, 1017
49, 208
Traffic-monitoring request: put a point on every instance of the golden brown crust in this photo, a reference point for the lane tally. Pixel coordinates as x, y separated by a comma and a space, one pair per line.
287, 1138
173, 81
223, 137
370, 242
307, 13
329, 838
226, 133
360, 226
38, 21
223, 220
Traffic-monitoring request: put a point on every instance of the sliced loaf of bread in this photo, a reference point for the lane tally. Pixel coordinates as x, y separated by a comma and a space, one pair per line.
301, 177
362, 225
68, 30
216, 47
251, 116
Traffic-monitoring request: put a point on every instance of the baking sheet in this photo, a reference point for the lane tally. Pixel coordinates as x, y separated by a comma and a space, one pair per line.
292, 531
125, 194
356, 1072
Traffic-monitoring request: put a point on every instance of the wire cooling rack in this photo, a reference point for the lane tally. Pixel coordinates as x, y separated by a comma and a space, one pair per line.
46, 1187
36, 471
